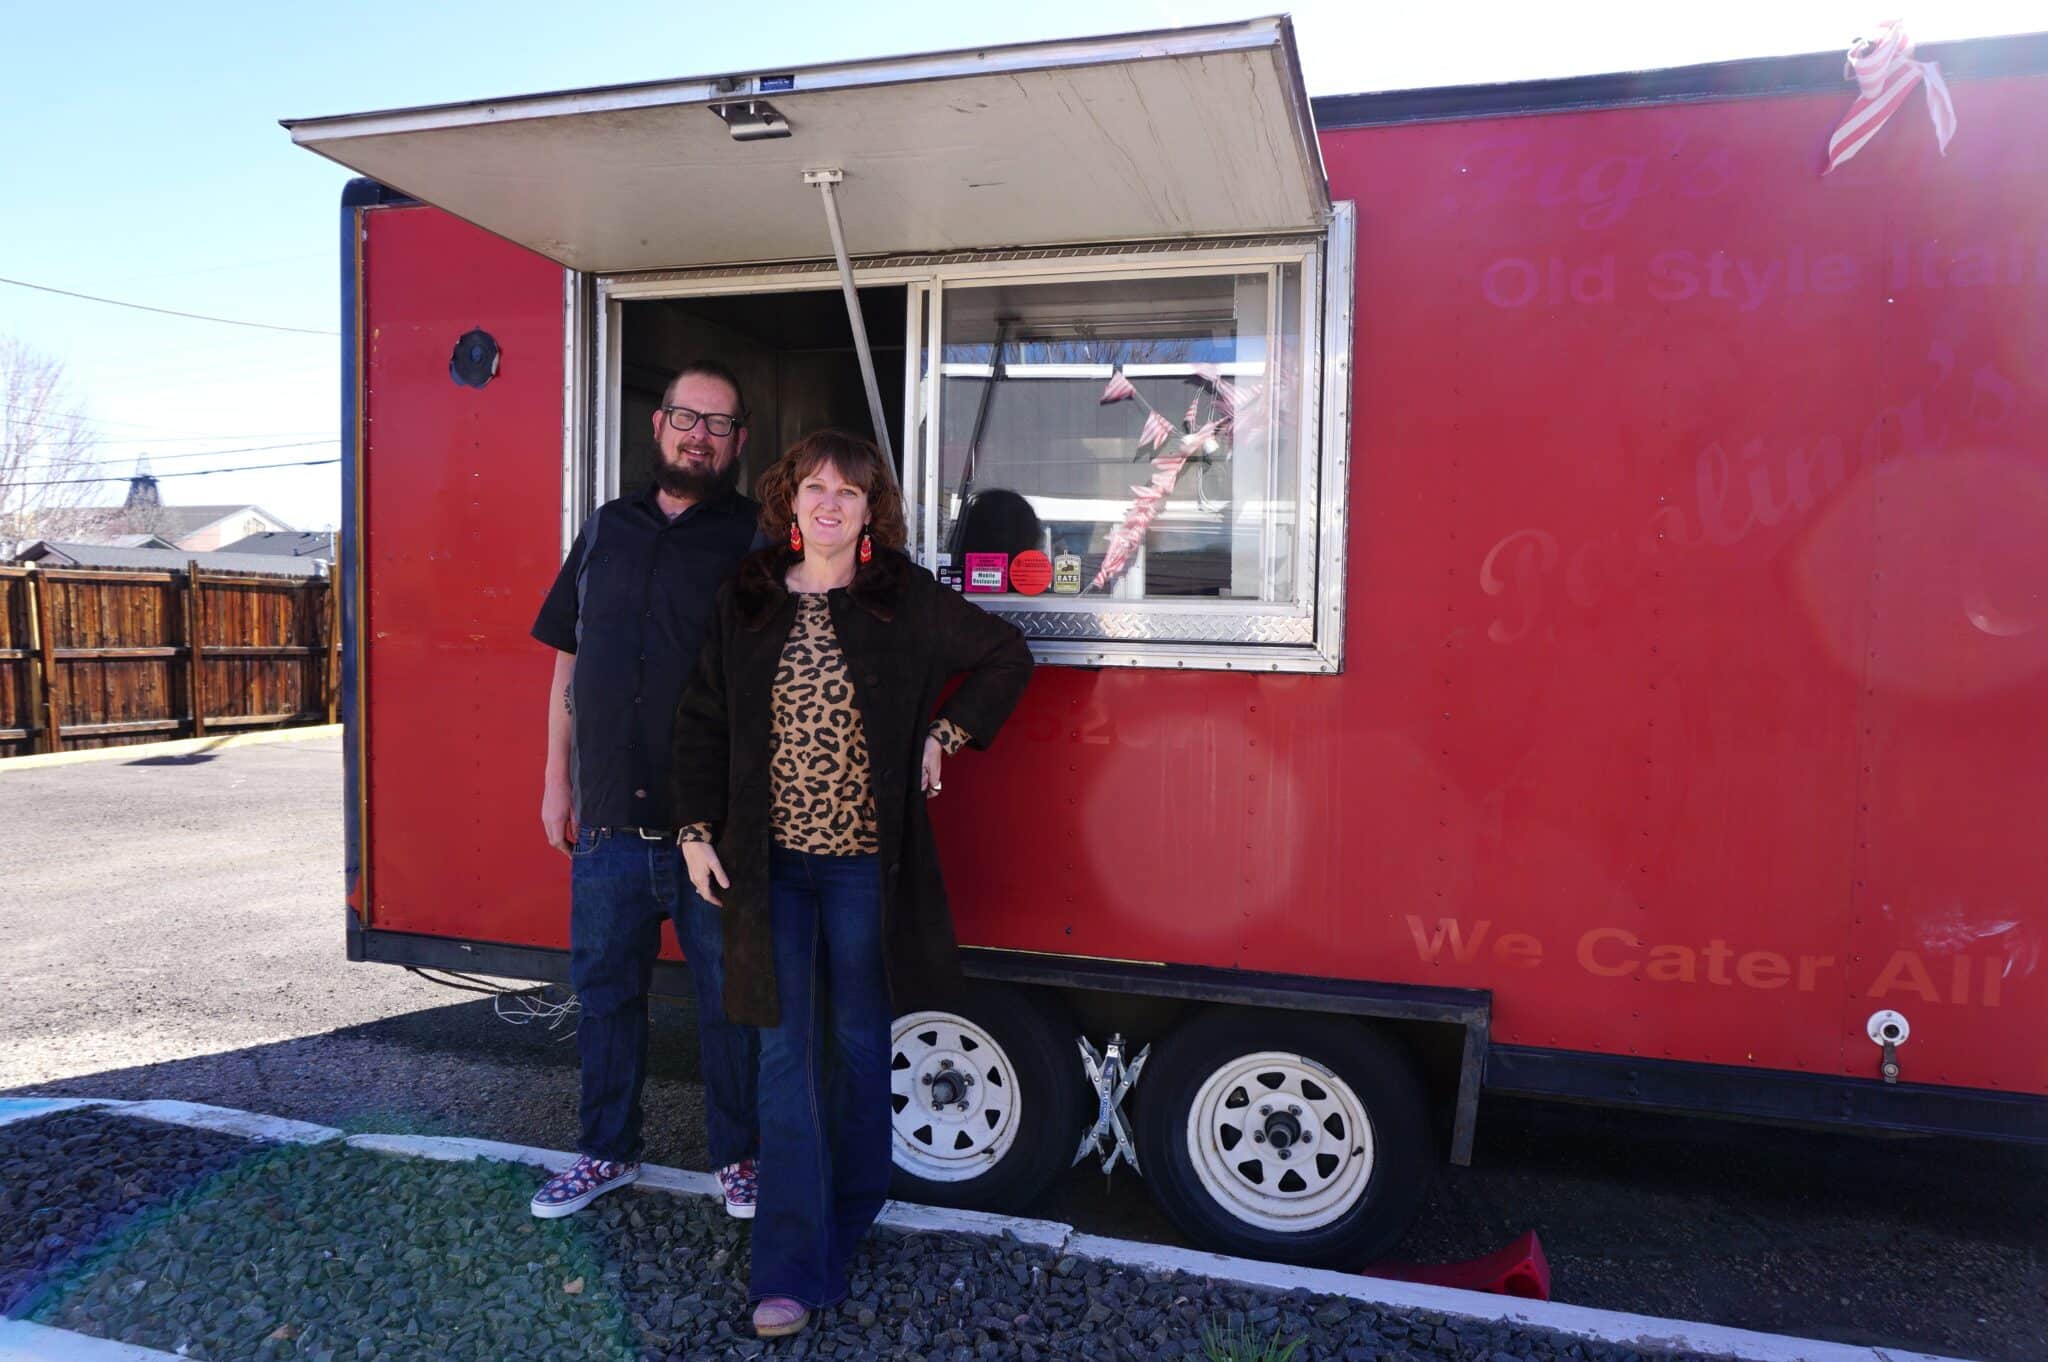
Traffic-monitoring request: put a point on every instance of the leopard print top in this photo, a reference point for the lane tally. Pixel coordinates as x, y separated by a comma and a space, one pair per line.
818, 763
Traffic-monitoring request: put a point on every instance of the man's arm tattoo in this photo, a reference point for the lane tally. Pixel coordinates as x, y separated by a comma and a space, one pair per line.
568, 705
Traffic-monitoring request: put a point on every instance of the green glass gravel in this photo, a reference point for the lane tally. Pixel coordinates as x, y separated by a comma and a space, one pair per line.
340, 1255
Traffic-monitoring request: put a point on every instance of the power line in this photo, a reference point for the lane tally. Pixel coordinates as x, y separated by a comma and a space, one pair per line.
199, 454
138, 425
166, 311
222, 269
189, 473
98, 438
152, 441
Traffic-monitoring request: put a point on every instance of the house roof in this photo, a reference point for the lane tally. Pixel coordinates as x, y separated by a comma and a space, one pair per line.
287, 543
60, 555
175, 522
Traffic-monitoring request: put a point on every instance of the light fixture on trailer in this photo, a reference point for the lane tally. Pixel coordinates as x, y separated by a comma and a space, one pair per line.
752, 120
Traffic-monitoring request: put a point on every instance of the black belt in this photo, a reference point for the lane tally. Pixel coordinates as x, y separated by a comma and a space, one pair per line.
645, 834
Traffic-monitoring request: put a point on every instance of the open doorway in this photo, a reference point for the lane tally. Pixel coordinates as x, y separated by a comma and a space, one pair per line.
793, 352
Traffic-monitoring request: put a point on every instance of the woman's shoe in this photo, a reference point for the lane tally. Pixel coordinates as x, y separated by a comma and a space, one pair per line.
741, 1186
779, 1316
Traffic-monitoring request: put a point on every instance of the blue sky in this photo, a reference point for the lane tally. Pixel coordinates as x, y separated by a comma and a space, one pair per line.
140, 156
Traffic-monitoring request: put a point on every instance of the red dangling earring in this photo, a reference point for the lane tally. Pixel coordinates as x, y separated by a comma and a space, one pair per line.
796, 538
867, 546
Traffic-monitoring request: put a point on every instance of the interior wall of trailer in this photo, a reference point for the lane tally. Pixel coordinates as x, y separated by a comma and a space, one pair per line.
792, 352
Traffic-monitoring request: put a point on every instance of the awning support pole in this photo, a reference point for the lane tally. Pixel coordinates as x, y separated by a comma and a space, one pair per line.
827, 182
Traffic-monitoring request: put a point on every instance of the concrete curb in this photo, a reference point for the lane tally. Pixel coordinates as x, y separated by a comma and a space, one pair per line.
896, 1215
1578, 1321
1606, 1326
229, 1121
175, 747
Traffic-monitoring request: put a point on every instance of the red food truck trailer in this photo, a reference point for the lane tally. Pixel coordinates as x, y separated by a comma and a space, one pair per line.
1538, 590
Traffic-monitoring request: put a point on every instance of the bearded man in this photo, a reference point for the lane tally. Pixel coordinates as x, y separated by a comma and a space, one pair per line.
625, 617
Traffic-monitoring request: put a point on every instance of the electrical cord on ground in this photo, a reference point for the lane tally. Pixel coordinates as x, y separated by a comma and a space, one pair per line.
469, 984
548, 1005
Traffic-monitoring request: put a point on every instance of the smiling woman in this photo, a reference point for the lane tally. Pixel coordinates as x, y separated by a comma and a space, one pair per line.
796, 746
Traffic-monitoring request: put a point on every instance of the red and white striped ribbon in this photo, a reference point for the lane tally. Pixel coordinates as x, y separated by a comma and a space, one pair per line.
1885, 74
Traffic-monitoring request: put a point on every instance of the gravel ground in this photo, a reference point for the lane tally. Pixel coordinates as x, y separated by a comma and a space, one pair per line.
174, 930
66, 1188
329, 1253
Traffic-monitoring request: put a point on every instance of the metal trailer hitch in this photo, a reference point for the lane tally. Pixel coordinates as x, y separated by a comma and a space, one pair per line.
1112, 1079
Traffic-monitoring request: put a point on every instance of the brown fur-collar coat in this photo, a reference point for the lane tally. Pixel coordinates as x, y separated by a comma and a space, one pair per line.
905, 637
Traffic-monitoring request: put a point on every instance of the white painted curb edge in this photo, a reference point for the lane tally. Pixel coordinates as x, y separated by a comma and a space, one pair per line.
229, 1121
1606, 1326
907, 1216
896, 1215
21, 1341
450, 1149
170, 747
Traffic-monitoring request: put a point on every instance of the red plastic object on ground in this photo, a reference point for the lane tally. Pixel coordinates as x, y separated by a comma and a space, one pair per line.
1520, 1269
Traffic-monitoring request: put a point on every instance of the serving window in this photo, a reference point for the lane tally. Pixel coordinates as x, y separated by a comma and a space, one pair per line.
1132, 460
1136, 454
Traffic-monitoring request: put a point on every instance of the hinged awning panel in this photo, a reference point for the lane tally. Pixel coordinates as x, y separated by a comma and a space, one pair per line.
1194, 132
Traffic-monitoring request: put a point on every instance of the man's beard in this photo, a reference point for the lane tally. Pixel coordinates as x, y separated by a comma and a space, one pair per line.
695, 484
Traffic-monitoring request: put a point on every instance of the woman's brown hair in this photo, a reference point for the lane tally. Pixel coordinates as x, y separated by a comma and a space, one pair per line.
860, 463
857, 460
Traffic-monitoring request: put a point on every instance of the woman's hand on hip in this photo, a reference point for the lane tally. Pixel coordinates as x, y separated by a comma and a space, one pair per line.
928, 777
705, 870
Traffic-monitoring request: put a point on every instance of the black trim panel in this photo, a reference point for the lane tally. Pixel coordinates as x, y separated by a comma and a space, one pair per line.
1406, 1002
1670, 1085
1768, 1094
500, 961
1469, 1009
356, 195
1810, 73
348, 570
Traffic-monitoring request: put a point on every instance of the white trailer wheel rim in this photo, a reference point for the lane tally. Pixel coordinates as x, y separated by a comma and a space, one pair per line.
1322, 1178
959, 1139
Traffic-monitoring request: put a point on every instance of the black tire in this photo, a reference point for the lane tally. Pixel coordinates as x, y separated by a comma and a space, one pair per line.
1372, 1190
1041, 1081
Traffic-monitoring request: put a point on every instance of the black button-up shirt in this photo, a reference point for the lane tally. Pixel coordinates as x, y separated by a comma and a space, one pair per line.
632, 602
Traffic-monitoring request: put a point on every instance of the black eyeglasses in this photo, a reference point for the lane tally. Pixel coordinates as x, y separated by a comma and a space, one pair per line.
716, 422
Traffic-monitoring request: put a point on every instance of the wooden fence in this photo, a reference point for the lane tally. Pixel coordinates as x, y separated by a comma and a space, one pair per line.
103, 658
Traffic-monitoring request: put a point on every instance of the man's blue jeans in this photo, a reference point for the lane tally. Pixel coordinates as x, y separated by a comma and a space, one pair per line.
824, 1077
620, 888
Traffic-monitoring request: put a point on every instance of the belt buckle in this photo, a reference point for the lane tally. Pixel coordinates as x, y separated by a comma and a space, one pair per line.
651, 834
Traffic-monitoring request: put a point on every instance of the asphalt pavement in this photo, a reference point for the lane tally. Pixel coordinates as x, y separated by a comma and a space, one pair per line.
171, 927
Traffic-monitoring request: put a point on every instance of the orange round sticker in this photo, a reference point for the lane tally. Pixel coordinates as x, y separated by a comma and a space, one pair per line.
1030, 572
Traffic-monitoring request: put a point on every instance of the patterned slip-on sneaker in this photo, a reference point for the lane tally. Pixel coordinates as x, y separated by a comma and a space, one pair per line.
779, 1316
581, 1183
741, 1189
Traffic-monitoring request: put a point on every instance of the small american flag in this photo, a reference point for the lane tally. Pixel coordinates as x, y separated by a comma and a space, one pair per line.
1119, 388
1885, 74
1158, 430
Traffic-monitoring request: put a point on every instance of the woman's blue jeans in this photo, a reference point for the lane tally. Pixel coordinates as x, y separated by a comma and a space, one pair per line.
824, 1091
